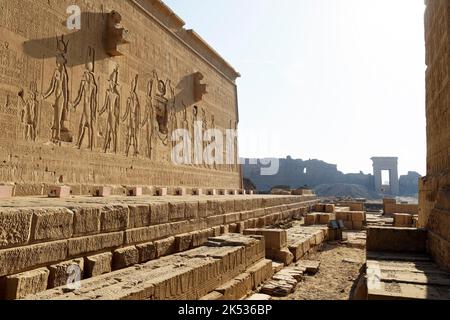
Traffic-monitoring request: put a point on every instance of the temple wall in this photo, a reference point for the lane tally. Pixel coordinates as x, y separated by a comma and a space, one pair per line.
434, 188
29, 152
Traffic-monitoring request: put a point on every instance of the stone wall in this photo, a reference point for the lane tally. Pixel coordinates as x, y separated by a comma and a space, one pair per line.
434, 188
40, 238
156, 71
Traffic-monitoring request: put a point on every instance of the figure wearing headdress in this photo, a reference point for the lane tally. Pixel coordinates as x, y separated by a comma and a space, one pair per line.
133, 114
59, 87
88, 95
149, 118
112, 105
30, 112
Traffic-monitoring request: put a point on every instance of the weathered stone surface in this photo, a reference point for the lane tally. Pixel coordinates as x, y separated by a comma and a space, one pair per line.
165, 247
125, 257
86, 220
183, 242
139, 216
176, 211
274, 238
191, 210
147, 252
97, 265
60, 273
23, 284
52, 224
89, 244
396, 239
114, 218
30, 256
309, 266
15, 227
159, 213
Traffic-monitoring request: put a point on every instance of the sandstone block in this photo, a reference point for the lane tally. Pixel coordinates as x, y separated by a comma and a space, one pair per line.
60, 273
180, 191
27, 283
52, 224
161, 192
59, 192
403, 220
197, 192
134, 191
260, 272
15, 227
6, 192
114, 218
97, 265
176, 211
358, 216
191, 210
86, 220
147, 252
213, 296
329, 208
319, 208
311, 219
88, 244
102, 192
283, 256
324, 218
348, 225
30, 256
396, 239
357, 225
199, 238
159, 213
274, 238
211, 192
183, 242
139, 216
145, 234
215, 221
165, 247
125, 257
231, 218
342, 215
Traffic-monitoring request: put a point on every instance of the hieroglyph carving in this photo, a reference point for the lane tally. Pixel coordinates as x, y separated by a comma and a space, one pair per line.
149, 119
59, 87
112, 106
88, 95
29, 113
133, 114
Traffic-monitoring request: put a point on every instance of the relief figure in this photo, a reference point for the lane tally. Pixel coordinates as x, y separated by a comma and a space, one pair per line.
112, 106
30, 112
133, 114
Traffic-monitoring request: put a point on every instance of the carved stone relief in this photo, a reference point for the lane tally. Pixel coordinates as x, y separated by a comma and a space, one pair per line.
112, 107
29, 114
133, 114
115, 34
59, 88
88, 96
149, 120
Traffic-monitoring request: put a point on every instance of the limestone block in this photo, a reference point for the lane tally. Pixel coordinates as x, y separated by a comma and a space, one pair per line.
161, 192
97, 265
260, 272
147, 252
319, 208
60, 273
231, 218
134, 191
95, 243
199, 238
23, 284
59, 192
125, 257
52, 224
86, 220
224, 229
202, 209
215, 221
30, 256
102, 192
213, 296
403, 220
165, 247
343, 215
176, 211
139, 216
6, 192
283, 256
114, 218
159, 213
15, 227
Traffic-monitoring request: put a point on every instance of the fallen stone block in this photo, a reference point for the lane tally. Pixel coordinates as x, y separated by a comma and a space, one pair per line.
260, 272
311, 267
284, 256
97, 265
125, 257
61, 273
23, 284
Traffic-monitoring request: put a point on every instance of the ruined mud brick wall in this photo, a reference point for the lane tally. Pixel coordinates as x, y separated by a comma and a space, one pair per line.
167, 59
41, 237
435, 187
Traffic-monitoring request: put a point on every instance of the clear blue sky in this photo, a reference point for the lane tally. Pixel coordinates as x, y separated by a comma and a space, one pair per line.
336, 80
